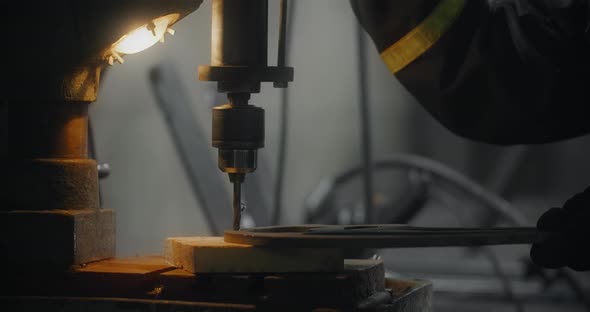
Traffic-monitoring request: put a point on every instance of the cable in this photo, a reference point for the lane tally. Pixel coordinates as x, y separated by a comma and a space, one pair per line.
365, 122
285, 35
436, 170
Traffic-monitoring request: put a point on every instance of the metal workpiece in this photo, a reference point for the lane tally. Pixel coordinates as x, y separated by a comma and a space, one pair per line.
382, 236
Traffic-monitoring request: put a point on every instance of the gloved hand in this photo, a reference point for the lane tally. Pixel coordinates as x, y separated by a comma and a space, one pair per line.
570, 244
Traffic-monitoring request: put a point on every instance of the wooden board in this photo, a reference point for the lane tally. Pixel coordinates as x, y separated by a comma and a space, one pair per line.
128, 277
213, 255
359, 280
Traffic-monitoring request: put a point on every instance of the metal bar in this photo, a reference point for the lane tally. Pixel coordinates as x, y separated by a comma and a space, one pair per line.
310, 237
367, 146
284, 47
281, 56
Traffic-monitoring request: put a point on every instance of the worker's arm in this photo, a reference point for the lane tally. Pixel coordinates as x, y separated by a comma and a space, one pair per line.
499, 71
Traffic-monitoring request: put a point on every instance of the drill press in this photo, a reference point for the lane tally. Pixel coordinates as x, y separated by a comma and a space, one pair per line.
239, 64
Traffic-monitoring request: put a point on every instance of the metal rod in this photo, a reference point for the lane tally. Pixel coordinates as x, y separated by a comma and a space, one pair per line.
367, 153
281, 58
237, 205
286, 17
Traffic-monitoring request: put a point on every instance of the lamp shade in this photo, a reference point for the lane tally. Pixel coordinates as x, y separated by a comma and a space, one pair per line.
60, 47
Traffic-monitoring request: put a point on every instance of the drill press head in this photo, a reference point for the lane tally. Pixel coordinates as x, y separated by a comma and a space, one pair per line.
239, 65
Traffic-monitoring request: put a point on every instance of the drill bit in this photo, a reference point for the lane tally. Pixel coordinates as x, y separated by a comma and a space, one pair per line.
237, 205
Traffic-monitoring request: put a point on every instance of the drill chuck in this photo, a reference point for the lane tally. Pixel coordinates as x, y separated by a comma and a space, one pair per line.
238, 132
238, 126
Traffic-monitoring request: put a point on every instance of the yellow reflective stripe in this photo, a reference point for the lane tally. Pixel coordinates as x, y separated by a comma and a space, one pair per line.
424, 36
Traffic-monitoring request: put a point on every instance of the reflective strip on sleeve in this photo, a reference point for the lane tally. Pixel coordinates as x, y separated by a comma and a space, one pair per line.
424, 36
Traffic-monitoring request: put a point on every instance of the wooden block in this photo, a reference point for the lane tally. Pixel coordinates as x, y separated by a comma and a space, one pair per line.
133, 266
213, 255
131, 277
183, 285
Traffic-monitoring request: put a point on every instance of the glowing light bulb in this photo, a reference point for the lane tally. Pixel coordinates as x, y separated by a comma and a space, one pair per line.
144, 36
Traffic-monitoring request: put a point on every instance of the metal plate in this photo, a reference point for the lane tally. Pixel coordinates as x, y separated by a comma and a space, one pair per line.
381, 236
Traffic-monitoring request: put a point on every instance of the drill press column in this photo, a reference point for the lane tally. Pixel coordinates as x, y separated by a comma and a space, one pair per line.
50, 215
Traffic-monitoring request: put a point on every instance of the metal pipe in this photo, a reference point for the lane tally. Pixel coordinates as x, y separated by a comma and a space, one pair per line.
367, 146
284, 47
281, 56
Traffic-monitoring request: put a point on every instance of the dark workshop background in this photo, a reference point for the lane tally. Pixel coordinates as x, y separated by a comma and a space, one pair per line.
152, 194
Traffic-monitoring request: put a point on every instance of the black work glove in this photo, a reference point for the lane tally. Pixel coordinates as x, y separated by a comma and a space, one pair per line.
570, 244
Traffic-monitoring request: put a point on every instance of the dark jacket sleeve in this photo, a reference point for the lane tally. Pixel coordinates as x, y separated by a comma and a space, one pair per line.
506, 72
